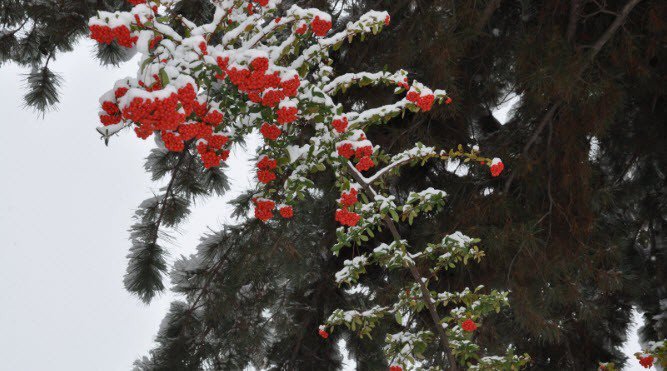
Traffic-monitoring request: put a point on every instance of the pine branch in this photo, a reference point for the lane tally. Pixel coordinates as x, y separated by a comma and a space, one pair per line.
146, 264
42, 88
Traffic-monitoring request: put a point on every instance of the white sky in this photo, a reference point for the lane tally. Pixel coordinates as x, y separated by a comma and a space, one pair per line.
66, 202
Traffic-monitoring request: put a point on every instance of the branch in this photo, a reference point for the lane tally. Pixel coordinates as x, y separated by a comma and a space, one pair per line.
426, 294
169, 189
574, 17
491, 7
595, 49
548, 116
620, 19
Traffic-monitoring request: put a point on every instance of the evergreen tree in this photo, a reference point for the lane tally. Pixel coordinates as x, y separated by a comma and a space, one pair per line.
588, 74
585, 72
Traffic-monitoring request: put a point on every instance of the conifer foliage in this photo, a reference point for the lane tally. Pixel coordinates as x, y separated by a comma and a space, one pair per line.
34, 33
256, 67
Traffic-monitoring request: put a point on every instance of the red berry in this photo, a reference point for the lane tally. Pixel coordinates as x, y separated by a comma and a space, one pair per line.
287, 115
320, 26
365, 163
647, 361
286, 212
425, 102
263, 209
350, 198
267, 163
269, 131
468, 325
497, 168
340, 124
345, 217
302, 29
265, 176
363, 151
345, 150
213, 118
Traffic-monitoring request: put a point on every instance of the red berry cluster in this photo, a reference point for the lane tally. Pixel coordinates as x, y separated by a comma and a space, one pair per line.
365, 163
286, 211
395, 368
203, 48
647, 361
113, 114
423, 101
348, 218
154, 114
340, 124
210, 150
348, 199
164, 115
287, 114
362, 153
262, 2
469, 325
323, 333
344, 215
320, 26
106, 35
497, 168
301, 29
270, 131
266, 166
263, 209
404, 84
136, 2
261, 85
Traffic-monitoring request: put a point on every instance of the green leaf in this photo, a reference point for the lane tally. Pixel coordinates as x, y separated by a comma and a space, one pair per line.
164, 78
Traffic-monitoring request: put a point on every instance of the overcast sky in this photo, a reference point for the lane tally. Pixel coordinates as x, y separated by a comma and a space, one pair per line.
66, 202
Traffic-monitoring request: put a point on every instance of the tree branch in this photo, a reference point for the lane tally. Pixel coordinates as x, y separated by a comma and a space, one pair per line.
595, 49
574, 18
606, 36
491, 7
426, 294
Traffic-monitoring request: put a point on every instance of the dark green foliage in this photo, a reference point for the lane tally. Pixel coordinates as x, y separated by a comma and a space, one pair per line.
32, 33
578, 240
42, 89
255, 295
112, 54
188, 180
